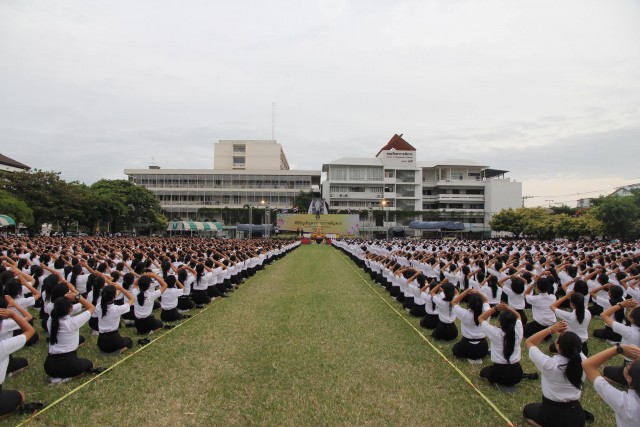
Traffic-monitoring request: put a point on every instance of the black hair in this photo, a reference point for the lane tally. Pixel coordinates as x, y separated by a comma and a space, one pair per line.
13, 288
170, 281
615, 297
517, 285
98, 284
76, 270
475, 305
508, 321
36, 272
127, 280
465, 281
61, 308
581, 287
493, 284
108, 295
58, 264
143, 285
199, 272
577, 299
634, 373
570, 346
543, 285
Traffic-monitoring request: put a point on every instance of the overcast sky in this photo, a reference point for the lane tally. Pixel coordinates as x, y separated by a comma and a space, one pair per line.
549, 90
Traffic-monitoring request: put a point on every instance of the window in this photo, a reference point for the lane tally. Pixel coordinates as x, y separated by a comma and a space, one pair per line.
239, 148
237, 160
457, 175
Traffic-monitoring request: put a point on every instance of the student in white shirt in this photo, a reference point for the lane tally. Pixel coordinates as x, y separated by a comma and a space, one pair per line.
11, 400
505, 346
513, 287
625, 405
169, 302
473, 345
541, 312
110, 340
143, 305
577, 320
562, 378
629, 334
446, 329
614, 297
62, 360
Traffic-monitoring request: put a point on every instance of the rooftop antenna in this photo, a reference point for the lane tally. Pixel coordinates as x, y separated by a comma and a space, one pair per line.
273, 120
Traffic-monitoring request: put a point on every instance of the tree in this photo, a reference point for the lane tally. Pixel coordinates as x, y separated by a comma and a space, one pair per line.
37, 189
508, 220
16, 209
619, 215
128, 205
303, 200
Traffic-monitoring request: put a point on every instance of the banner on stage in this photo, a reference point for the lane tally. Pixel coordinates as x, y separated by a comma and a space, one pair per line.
329, 223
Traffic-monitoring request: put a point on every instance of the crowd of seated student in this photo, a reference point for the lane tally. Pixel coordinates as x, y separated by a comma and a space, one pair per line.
565, 285
106, 283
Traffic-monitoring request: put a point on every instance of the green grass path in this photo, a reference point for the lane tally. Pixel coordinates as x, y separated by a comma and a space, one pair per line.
304, 342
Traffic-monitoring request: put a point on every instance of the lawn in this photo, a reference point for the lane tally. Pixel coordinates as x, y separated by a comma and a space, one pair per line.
308, 341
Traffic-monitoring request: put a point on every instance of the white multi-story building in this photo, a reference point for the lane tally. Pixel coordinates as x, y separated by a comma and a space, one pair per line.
394, 180
261, 179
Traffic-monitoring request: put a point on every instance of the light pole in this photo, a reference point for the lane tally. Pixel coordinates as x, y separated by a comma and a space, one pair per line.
386, 211
267, 216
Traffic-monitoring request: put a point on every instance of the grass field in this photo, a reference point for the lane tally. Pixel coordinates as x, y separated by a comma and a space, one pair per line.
307, 341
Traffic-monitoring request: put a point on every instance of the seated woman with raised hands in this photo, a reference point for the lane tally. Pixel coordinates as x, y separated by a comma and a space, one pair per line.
562, 378
62, 362
505, 346
625, 404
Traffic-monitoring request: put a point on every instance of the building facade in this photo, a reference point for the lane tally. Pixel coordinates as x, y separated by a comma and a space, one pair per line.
9, 165
394, 180
262, 179
249, 155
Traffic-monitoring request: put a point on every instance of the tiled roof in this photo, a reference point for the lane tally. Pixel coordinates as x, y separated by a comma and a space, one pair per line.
398, 144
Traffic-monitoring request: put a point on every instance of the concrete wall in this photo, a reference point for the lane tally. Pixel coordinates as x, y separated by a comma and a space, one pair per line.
258, 155
501, 194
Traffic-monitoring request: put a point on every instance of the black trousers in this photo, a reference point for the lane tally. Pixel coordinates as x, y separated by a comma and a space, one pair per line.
471, 349
66, 365
555, 414
507, 375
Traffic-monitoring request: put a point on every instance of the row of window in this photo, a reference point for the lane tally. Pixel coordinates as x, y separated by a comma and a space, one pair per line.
432, 192
222, 181
452, 206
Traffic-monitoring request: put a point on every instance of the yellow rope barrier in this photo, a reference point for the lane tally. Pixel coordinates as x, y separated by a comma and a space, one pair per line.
462, 374
119, 362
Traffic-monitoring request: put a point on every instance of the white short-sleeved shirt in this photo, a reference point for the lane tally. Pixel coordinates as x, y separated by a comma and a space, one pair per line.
630, 334
143, 311
7, 328
204, 282
468, 325
170, 298
554, 384
486, 290
445, 311
8, 346
81, 282
68, 332
580, 329
626, 406
496, 336
541, 308
515, 300
111, 320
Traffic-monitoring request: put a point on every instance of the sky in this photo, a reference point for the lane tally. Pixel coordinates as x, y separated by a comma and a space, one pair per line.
549, 90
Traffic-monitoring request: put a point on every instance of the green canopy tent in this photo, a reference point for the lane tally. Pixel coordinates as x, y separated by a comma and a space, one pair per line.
7, 221
191, 226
